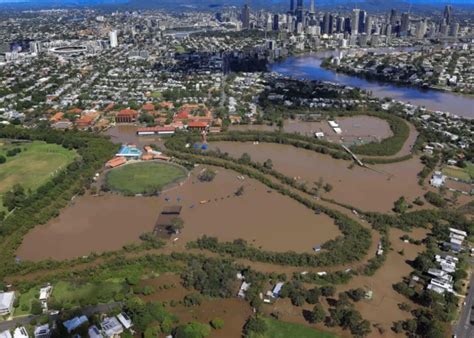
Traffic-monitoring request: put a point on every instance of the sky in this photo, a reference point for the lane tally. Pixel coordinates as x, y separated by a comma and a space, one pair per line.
59, 2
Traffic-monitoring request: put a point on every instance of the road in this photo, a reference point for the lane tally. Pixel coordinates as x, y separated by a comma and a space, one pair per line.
464, 329
88, 311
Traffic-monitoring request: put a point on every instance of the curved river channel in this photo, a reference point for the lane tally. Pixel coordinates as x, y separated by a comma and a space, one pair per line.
309, 67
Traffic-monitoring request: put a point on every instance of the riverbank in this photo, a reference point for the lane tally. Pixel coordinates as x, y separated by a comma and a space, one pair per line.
308, 66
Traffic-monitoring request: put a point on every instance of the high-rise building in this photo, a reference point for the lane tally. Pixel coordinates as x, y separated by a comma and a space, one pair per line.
355, 21
339, 24
454, 29
362, 18
292, 6
368, 25
276, 22
347, 25
393, 17
325, 26
420, 29
311, 7
447, 15
405, 23
299, 12
113, 39
246, 17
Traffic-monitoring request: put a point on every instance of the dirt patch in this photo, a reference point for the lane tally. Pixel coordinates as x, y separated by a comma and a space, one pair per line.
361, 187
262, 217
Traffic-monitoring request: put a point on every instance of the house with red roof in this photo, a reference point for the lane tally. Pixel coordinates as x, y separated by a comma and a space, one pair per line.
126, 116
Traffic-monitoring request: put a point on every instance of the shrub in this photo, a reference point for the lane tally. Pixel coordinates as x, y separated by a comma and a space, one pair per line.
217, 323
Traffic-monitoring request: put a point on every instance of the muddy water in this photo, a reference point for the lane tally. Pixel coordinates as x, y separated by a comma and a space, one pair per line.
126, 133
265, 219
354, 129
385, 300
360, 187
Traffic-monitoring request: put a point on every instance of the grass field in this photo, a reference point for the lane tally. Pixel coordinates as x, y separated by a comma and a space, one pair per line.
279, 329
33, 167
72, 295
145, 177
461, 173
25, 300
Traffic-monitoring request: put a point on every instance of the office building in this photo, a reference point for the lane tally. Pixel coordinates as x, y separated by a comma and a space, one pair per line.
113, 39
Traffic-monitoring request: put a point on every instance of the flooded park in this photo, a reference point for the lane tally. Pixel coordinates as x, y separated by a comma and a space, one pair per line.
107, 222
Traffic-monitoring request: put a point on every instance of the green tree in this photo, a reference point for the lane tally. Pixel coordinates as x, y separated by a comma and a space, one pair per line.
177, 224
317, 315
36, 308
255, 325
217, 323
400, 205
193, 330
268, 164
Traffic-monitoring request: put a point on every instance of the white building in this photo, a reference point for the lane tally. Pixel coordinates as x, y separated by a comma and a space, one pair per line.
113, 39
20, 332
5, 334
111, 327
438, 179
6, 302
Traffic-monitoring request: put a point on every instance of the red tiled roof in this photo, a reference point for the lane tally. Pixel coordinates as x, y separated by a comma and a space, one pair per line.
197, 124
127, 112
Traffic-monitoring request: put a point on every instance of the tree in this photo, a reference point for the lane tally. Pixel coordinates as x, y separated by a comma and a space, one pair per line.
36, 308
14, 197
192, 299
268, 164
317, 315
177, 224
356, 294
193, 330
245, 158
3, 159
255, 325
217, 323
328, 291
207, 175
400, 205
312, 297
328, 187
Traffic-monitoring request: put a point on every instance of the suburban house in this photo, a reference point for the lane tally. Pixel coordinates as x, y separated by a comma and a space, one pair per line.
6, 302
111, 327
42, 331
20, 332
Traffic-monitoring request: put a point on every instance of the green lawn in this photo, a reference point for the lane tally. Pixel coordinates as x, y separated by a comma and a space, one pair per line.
145, 177
279, 329
25, 300
71, 295
461, 173
34, 166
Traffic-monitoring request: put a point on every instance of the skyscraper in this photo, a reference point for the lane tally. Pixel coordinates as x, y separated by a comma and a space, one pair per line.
276, 22
368, 25
299, 12
113, 39
405, 22
311, 7
447, 15
325, 26
362, 18
246, 17
393, 17
292, 6
355, 21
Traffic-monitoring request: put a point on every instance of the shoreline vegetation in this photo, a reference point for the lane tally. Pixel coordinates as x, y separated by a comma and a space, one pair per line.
364, 74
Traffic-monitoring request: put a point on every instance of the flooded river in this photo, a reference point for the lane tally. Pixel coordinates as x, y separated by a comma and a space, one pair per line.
309, 67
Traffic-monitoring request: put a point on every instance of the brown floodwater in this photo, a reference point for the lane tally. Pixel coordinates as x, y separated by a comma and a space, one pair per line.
354, 129
126, 133
233, 311
263, 218
361, 187
385, 299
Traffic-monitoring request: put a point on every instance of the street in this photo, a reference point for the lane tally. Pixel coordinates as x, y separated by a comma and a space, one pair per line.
464, 329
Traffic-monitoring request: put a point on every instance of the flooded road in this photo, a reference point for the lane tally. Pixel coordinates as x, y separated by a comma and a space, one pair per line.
265, 219
309, 67
360, 187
